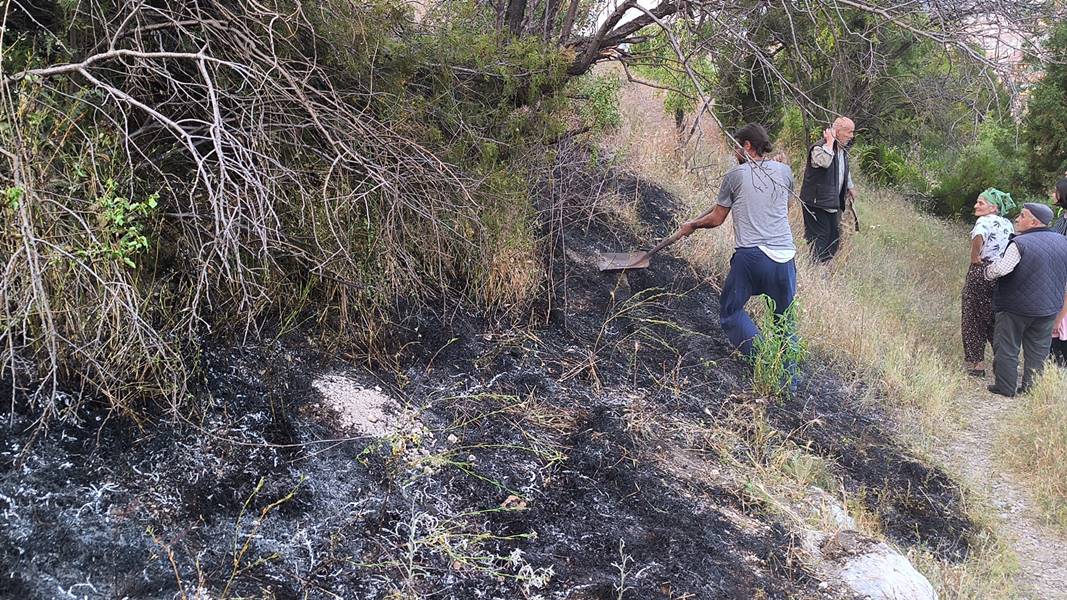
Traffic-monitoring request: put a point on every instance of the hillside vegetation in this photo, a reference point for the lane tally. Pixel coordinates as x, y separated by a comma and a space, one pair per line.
299, 299
173, 174
199, 171
887, 313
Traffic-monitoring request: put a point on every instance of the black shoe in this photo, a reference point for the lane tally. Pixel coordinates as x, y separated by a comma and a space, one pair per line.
1024, 390
999, 392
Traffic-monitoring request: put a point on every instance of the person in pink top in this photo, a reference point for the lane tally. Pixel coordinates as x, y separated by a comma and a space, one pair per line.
1059, 330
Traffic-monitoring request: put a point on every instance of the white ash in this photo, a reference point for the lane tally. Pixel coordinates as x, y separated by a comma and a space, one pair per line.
363, 410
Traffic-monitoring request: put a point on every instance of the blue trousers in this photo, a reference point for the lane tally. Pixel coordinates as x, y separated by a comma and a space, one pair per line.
753, 273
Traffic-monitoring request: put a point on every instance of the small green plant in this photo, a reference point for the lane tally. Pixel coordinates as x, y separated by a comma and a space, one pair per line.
600, 111
13, 197
777, 351
124, 222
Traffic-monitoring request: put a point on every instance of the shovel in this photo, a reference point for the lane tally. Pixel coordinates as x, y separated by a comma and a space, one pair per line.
621, 261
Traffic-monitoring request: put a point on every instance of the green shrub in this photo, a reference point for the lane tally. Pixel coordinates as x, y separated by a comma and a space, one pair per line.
1044, 131
777, 350
885, 165
659, 63
792, 138
992, 161
600, 109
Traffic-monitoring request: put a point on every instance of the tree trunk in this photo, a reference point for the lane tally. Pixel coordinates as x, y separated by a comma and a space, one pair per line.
530, 24
568, 22
551, 8
515, 13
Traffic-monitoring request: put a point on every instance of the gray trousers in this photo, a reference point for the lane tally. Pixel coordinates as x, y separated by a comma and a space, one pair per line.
1033, 335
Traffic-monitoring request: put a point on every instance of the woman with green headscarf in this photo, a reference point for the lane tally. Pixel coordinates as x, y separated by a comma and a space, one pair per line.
989, 239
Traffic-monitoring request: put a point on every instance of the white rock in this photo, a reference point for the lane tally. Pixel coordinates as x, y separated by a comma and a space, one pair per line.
881, 573
830, 505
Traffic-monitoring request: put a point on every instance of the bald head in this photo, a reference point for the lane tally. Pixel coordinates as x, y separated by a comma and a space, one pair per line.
844, 130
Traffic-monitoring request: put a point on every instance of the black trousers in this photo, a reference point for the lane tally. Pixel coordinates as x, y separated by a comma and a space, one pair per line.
1033, 335
977, 314
1059, 352
822, 230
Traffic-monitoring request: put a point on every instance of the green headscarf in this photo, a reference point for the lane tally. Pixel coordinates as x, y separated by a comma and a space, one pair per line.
1002, 200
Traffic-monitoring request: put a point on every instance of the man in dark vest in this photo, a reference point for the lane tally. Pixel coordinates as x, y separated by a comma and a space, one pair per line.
1031, 289
826, 189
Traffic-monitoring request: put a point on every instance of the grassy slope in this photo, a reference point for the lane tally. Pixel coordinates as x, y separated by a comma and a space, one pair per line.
889, 311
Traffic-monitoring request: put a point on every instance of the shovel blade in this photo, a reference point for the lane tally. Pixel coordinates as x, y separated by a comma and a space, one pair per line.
621, 261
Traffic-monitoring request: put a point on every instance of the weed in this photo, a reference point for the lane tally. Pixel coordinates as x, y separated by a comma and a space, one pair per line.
422, 543
124, 226
640, 320
625, 569
777, 351
241, 546
13, 197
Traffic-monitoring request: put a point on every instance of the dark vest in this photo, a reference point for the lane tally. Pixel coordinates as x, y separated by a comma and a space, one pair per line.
1060, 224
821, 188
1035, 287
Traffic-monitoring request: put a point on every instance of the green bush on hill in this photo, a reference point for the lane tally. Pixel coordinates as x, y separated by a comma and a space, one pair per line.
1044, 131
991, 161
887, 166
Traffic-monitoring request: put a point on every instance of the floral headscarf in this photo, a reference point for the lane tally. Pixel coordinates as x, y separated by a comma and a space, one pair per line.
1002, 200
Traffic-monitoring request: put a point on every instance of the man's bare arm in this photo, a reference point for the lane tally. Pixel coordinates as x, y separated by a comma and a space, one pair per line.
709, 220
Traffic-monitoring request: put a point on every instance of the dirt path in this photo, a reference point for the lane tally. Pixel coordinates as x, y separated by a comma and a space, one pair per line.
1041, 550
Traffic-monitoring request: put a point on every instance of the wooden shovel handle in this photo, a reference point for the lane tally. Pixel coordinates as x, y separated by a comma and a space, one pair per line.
660, 246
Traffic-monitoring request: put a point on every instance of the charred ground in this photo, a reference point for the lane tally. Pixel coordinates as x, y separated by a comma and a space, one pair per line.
536, 467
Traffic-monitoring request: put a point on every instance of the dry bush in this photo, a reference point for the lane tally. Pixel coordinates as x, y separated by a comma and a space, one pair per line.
295, 159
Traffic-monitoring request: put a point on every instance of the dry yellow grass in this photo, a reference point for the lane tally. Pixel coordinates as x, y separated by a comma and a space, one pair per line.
1033, 443
888, 307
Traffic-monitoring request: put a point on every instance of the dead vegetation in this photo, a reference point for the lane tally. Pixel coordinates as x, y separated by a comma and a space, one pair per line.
1033, 443
179, 172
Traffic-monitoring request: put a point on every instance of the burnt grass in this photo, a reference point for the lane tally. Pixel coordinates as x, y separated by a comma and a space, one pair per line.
526, 462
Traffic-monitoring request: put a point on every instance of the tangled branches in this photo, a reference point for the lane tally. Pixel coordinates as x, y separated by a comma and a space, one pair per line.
176, 170
172, 172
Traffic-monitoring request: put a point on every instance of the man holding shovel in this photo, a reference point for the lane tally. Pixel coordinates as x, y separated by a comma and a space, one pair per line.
757, 192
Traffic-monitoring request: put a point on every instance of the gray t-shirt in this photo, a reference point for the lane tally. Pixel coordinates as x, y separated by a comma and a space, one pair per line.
757, 194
